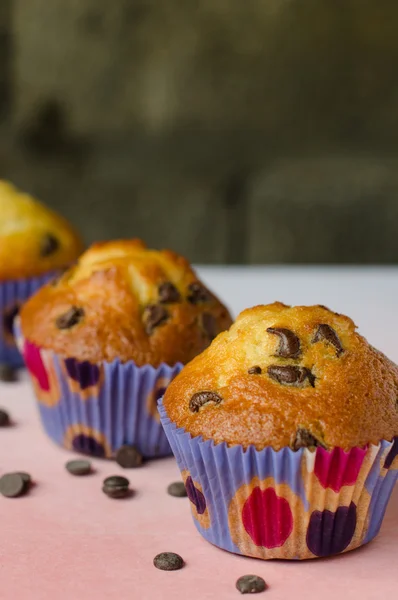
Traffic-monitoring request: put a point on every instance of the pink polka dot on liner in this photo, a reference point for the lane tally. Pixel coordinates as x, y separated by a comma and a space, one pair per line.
267, 518
338, 468
35, 365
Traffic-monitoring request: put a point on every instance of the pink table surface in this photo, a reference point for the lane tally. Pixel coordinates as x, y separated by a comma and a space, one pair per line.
67, 540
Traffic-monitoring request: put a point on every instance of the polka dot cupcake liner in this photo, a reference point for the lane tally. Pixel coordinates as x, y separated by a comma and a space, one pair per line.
97, 408
12, 295
288, 505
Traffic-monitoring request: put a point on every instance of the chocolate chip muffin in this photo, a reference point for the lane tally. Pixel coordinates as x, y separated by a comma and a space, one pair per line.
33, 239
35, 244
286, 434
111, 333
124, 301
288, 376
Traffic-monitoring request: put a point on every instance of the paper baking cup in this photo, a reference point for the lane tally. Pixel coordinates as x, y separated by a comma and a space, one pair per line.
97, 408
289, 505
12, 295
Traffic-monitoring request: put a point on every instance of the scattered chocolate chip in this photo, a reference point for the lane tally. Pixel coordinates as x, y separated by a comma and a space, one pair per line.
78, 467
71, 318
328, 334
26, 478
12, 485
4, 418
168, 561
48, 245
291, 374
209, 325
168, 293
201, 398
128, 457
305, 439
289, 343
177, 489
9, 318
116, 486
251, 584
8, 374
256, 370
154, 315
197, 293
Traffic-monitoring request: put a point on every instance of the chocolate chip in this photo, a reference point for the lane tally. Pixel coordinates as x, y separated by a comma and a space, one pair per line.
168, 561
201, 398
12, 485
304, 439
9, 318
116, 486
177, 489
4, 418
78, 467
168, 293
48, 245
128, 457
291, 374
8, 374
154, 315
26, 478
256, 370
289, 343
328, 334
71, 318
197, 293
209, 325
251, 584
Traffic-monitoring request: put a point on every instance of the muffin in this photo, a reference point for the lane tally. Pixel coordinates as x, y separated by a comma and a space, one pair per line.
104, 340
35, 243
285, 430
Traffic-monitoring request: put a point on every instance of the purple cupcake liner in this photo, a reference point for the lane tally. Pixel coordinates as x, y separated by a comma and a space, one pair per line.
12, 295
97, 408
285, 504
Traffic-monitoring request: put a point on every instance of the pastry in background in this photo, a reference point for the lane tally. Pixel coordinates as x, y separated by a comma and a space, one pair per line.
35, 244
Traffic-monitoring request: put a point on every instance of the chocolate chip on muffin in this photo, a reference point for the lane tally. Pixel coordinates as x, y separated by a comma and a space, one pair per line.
49, 244
197, 293
208, 324
326, 333
289, 343
256, 370
154, 315
168, 293
201, 398
71, 318
305, 439
291, 374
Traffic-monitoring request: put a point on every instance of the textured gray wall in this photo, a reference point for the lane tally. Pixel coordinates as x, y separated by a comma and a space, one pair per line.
230, 130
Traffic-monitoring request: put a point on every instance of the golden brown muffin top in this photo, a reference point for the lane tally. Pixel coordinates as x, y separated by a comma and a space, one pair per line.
33, 239
288, 376
125, 301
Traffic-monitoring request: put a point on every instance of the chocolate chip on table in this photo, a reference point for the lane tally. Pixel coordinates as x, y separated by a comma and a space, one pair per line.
27, 479
4, 418
201, 398
197, 293
49, 244
289, 343
168, 293
128, 457
209, 324
328, 334
168, 561
305, 439
78, 467
153, 316
256, 370
251, 584
71, 318
116, 486
177, 489
12, 485
291, 374
8, 374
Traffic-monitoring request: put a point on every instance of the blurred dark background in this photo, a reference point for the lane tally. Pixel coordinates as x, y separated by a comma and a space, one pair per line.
234, 131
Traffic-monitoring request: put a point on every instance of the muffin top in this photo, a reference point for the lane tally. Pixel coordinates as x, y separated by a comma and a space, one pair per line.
288, 376
125, 301
33, 239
